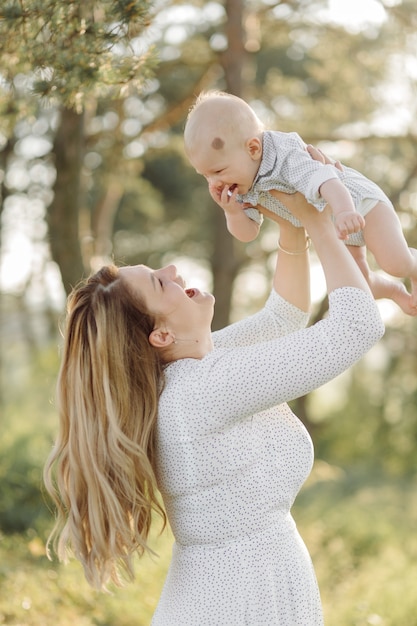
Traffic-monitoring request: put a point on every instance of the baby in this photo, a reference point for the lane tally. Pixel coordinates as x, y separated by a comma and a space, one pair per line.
226, 143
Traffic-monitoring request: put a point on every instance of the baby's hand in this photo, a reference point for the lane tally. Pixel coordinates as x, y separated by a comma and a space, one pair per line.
226, 198
238, 223
348, 222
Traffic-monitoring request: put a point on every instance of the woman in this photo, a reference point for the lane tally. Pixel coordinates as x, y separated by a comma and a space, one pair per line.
150, 399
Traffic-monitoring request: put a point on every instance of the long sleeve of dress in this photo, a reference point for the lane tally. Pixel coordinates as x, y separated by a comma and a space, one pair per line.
277, 318
232, 383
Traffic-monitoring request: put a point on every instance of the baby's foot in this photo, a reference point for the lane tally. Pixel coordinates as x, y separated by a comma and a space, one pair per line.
382, 287
404, 300
413, 279
414, 292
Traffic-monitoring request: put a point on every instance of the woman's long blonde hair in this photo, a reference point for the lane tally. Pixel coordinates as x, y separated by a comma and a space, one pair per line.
100, 473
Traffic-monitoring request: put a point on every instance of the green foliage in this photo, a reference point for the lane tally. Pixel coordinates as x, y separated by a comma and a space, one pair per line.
28, 418
20, 503
168, 192
309, 90
75, 50
359, 528
374, 415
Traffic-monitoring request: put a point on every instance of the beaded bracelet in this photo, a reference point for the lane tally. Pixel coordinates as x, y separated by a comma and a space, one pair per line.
308, 242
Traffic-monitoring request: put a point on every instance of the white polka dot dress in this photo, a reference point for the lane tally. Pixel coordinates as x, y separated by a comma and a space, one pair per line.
287, 166
231, 457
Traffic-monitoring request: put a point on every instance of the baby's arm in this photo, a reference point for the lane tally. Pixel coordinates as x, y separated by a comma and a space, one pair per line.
317, 180
346, 218
238, 223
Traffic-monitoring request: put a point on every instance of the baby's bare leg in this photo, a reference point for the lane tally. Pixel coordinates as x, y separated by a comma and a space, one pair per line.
384, 238
381, 286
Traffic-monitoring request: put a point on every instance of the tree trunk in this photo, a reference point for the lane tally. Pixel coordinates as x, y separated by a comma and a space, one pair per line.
234, 56
63, 213
224, 266
224, 261
103, 222
4, 160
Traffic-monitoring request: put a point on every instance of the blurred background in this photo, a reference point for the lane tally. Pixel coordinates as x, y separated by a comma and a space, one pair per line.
93, 99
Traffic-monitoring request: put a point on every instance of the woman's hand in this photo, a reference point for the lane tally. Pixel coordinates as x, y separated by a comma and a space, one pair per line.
318, 155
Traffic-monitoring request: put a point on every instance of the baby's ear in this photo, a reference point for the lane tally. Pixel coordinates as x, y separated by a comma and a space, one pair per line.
254, 147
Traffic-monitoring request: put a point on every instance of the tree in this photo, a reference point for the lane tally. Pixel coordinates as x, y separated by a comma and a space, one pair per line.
117, 117
225, 260
275, 55
71, 53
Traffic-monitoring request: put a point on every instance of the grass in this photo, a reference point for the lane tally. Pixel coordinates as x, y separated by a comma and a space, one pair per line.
36, 592
360, 530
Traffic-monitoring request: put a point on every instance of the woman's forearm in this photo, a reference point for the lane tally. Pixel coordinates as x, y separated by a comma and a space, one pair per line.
292, 272
338, 265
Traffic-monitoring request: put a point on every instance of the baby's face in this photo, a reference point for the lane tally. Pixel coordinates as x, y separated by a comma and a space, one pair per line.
226, 164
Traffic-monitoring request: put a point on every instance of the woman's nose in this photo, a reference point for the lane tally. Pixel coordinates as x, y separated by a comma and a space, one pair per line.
170, 271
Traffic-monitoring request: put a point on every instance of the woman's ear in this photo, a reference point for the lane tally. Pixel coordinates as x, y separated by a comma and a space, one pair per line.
160, 338
254, 148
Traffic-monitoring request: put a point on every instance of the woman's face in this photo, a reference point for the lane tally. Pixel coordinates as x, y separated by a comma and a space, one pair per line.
166, 298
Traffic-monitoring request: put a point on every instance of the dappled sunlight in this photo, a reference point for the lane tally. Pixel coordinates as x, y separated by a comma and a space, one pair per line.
89, 117
354, 15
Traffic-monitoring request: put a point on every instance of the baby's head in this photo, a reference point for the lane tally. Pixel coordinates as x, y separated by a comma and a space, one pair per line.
223, 131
